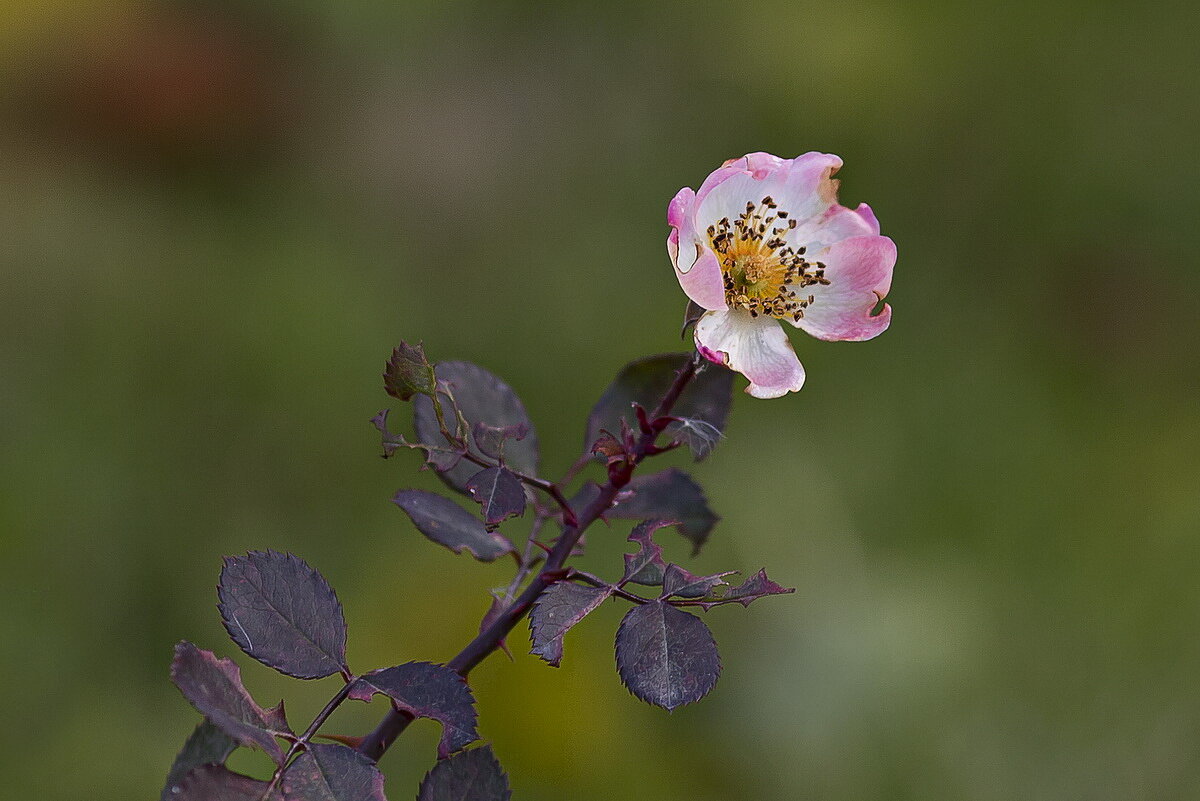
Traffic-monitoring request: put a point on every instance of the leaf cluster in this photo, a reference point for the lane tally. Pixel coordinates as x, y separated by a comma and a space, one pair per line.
473, 431
283, 613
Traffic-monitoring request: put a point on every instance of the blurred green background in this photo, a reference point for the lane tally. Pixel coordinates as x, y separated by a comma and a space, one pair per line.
218, 218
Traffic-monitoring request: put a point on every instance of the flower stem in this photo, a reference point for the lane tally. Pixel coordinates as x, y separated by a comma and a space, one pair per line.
378, 741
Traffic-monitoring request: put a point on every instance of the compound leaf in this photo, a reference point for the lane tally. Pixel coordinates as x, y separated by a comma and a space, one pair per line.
753, 588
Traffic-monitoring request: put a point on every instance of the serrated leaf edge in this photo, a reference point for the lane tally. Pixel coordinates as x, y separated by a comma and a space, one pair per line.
341, 663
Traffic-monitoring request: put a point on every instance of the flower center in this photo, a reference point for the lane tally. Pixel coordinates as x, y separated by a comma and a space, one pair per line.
763, 273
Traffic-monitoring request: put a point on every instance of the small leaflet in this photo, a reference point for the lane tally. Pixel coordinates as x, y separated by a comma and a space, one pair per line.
214, 687
557, 610
753, 588
666, 656
448, 524
499, 493
681, 583
283, 613
332, 773
491, 439
473, 775
646, 567
426, 690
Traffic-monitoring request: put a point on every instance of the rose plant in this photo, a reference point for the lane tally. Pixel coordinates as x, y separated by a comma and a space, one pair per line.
763, 241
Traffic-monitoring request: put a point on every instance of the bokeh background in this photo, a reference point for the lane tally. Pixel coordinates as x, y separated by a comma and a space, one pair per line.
217, 218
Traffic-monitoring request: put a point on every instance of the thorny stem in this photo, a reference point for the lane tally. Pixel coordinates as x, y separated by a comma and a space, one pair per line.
302, 741
527, 558
487, 641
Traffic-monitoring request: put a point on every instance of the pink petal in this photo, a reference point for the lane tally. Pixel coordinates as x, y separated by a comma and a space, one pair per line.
703, 281
679, 210
836, 224
868, 216
756, 347
859, 270
757, 162
758, 165
696, 266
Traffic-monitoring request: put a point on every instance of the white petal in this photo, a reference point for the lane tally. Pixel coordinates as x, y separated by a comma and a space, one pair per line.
836, 224
802, 187
859, 271
756, 347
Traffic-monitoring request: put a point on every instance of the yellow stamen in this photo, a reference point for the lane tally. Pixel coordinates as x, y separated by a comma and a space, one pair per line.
762, 271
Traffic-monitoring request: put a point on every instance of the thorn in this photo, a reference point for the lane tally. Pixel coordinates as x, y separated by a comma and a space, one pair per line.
344, 739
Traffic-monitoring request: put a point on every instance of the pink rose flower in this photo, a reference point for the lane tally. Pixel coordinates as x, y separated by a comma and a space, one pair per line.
765, 240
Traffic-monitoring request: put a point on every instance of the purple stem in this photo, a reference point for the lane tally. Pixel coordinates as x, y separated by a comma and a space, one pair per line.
378, 741
301, 742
